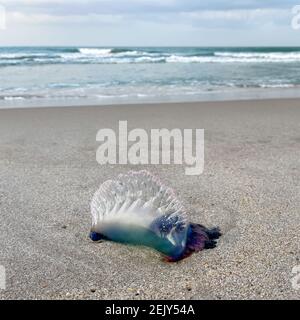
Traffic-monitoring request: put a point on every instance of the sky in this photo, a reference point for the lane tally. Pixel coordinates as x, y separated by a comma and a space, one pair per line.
148, 23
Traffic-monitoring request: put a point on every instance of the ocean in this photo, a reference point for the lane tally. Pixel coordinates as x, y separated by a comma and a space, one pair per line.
54, 76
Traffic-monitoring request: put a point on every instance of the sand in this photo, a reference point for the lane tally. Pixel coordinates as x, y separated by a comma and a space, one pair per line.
250, 188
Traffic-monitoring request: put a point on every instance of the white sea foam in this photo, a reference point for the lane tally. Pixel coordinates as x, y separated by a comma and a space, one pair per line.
260, 56
95, 52
188, 59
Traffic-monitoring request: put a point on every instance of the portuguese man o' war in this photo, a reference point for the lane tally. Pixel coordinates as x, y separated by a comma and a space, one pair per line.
138, 209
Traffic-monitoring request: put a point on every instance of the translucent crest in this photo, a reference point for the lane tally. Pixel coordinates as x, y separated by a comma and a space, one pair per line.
137, 192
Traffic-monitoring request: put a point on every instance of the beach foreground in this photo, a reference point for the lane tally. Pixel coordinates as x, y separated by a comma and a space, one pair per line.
250, 188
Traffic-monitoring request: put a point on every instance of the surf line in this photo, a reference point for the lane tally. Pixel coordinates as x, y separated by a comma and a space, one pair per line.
159, 146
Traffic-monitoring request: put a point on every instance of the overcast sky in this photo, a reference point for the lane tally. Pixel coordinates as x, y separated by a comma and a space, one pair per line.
149, 22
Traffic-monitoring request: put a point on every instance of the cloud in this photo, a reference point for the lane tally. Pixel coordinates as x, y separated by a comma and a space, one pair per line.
198, 18
134, 20
237, 18
124, 7
46, 19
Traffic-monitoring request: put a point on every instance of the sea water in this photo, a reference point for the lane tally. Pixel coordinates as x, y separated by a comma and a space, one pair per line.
58, 76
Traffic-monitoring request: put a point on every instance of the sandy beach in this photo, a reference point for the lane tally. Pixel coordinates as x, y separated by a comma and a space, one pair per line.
250, 188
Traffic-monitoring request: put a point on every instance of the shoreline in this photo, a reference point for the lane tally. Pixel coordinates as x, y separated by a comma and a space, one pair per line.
151, 104
249, 188
249, 94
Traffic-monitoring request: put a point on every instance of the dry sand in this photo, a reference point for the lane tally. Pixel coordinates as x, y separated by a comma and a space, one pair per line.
250, 188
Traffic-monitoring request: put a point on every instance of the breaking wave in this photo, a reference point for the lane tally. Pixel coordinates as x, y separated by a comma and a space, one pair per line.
40, 56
